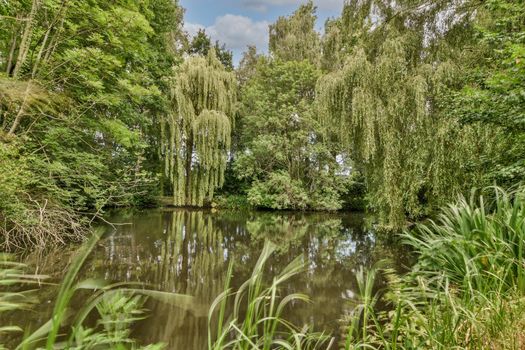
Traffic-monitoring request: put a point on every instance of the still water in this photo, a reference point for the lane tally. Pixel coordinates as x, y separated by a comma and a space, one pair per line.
188, 252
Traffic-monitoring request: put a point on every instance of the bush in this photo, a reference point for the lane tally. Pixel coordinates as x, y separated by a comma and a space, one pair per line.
49, 200
231, 201
325, 192
29, 214
354, 193
279, 191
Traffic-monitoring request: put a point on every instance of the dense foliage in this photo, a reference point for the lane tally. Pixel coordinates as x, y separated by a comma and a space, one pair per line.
408, 104
465, 290
199, 129
387, 96
82, 86
493, 94
402, 106
283, 156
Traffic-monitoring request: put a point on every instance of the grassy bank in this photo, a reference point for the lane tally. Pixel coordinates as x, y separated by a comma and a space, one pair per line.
466, 290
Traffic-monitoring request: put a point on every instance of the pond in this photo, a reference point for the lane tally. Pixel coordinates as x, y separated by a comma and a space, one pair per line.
188, 252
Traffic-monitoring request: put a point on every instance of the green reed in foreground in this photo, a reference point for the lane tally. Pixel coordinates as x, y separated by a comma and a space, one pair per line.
466, 290
13, 274
118, 306
258, 320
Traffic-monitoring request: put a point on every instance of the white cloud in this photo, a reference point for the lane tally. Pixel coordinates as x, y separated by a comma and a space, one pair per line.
236, 32
263, 5
193, 28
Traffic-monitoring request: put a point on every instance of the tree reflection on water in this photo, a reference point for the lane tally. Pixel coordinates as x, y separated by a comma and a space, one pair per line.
188, 251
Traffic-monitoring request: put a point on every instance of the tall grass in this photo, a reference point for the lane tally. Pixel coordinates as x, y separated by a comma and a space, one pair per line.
117, 306
478, 246
466, 290
13, 275
257, 320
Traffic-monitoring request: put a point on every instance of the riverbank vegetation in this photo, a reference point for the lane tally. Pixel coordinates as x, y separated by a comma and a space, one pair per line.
81, 88
464, 291
410, 110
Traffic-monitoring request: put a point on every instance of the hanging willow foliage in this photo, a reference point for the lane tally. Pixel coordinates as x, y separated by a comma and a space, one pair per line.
197, 139
412, 156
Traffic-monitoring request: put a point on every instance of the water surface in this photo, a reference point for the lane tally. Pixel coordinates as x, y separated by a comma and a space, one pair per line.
188, 251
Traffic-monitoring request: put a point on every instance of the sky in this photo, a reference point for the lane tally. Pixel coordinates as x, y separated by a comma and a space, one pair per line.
239, 23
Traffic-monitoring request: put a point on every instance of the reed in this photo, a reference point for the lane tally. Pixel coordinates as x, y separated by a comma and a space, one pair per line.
257, 320
13, 276
117, 306
466, 289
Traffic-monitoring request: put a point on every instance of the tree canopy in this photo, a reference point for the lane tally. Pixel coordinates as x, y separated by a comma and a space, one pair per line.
199, 133
400, 105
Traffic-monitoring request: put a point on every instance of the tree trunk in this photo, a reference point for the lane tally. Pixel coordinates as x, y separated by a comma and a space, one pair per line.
39, 56
4, 120
21, 111
26, 39
189, 156
12, 50
54, 38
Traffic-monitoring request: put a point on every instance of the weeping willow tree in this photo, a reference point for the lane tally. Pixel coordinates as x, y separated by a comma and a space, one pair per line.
384, 99
197, 134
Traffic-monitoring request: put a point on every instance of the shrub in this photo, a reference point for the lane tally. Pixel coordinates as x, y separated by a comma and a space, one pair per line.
231, 201
279, 191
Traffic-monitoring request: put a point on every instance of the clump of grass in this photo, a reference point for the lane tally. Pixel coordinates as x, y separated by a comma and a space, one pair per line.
466, 289
12, 277
118, 306
257, 319
478, 246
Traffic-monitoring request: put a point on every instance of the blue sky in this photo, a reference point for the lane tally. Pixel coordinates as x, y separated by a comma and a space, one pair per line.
238, 23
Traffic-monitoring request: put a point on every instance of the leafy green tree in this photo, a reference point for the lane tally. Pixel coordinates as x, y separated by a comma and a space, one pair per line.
248, 65
494, 93
385, 94
294, 38
197, 133
283, 156
81, 93
201, 45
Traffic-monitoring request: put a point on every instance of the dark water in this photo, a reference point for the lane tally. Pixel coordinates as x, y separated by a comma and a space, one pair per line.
188, 252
